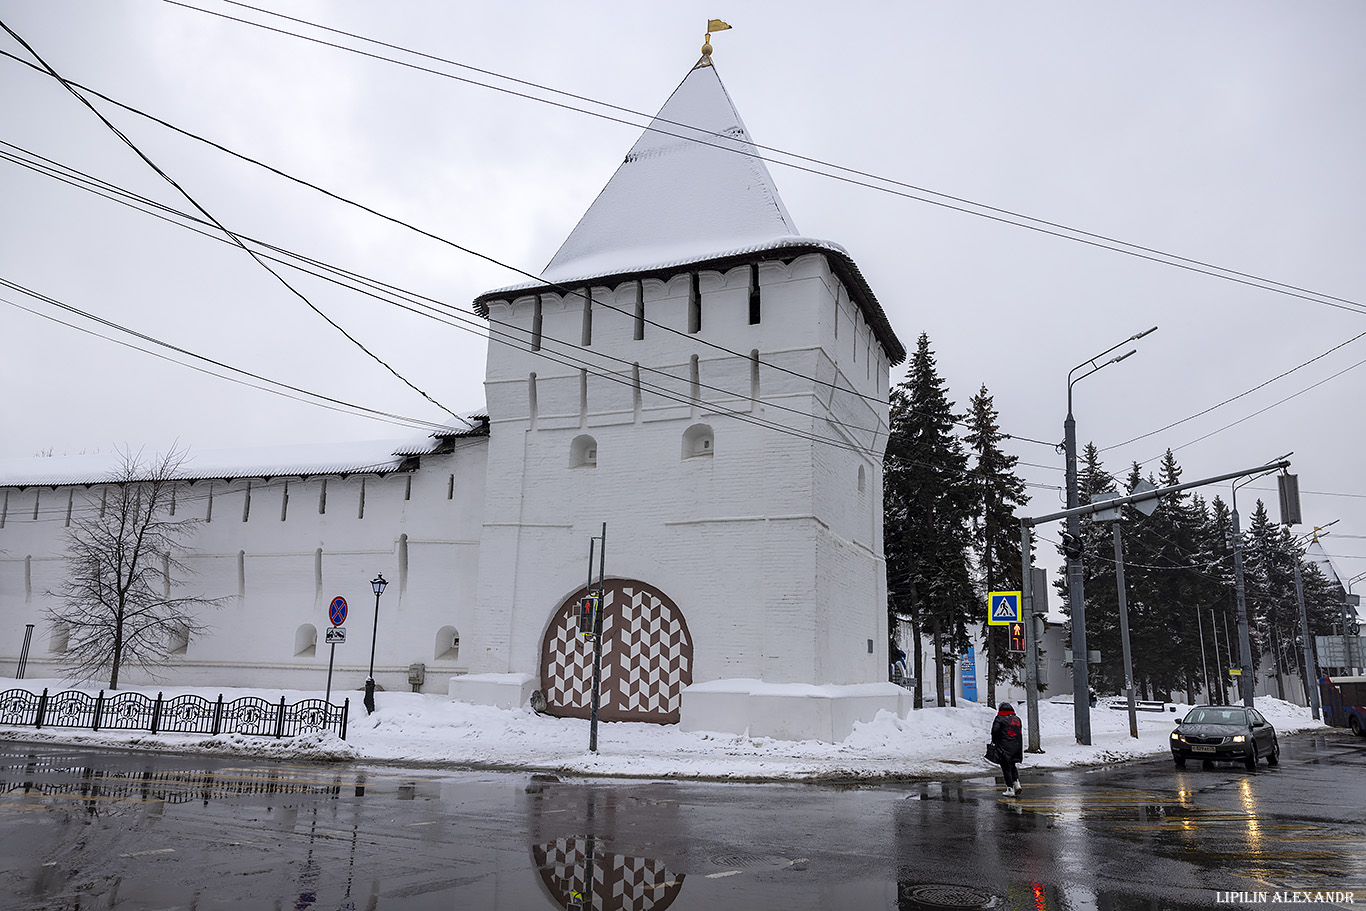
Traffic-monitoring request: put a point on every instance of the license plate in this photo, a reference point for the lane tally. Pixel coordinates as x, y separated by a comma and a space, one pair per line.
1200, 748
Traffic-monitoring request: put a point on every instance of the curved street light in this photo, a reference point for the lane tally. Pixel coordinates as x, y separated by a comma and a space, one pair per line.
1076, 596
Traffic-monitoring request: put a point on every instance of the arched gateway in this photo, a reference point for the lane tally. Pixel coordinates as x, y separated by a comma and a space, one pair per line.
646, 657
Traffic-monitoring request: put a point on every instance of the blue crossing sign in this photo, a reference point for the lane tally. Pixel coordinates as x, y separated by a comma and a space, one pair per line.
1004, 608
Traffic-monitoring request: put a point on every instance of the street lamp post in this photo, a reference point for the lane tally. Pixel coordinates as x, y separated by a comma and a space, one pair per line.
377, 584
1244, 643
1076, 596
1310, 667
1347, 642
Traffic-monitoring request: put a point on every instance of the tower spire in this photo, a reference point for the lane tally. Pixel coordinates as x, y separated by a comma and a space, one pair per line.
713, 25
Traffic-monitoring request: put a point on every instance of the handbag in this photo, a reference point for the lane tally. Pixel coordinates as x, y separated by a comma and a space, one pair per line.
993, 753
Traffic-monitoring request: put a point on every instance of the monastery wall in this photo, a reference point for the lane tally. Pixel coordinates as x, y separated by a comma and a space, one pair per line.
277, 552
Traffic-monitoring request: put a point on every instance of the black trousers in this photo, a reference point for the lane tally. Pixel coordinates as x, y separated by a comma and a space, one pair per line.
1009, 771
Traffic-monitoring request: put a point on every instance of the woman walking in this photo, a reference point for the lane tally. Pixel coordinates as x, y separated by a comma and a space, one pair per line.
1005, 736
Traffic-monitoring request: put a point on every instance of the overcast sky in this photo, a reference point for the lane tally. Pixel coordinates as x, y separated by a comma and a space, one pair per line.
1227, 133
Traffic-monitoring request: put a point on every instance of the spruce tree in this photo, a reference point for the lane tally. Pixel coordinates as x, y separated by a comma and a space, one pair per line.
997, 492
927, 477
1098, 577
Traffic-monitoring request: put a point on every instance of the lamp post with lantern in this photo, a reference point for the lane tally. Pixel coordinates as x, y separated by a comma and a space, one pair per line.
377, 584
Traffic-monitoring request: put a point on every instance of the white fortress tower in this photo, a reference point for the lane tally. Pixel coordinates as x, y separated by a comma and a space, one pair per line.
712, 385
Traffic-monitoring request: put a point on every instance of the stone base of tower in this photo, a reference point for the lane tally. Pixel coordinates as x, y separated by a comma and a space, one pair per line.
787, 711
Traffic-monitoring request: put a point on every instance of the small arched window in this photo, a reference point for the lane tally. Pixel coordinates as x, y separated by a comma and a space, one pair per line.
583, 452
698, 440
862, 479
306, 641
447, 644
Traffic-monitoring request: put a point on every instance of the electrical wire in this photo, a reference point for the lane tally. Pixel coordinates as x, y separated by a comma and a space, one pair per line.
114, 193
205, 212
859, 178
1240, 395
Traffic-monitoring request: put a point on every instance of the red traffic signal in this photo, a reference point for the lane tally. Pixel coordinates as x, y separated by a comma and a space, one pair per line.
1017, 637
588, 615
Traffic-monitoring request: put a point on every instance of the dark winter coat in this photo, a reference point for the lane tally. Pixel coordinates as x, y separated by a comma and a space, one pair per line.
1005, 733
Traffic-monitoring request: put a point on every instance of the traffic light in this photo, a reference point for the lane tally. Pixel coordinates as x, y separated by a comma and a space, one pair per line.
1017, 637
1071, 546
588, 615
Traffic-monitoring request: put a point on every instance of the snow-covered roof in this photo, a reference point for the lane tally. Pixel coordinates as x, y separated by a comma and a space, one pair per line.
692, 192
691, 186
289, 460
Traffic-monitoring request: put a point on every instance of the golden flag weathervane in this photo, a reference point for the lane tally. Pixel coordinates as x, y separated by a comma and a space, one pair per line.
713, 25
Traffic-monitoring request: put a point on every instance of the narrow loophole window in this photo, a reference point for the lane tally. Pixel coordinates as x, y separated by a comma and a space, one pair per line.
536, 325
754, 294
587, 317
640, 311
694, 303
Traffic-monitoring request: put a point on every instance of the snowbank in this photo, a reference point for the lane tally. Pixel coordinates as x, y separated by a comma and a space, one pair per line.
422, 729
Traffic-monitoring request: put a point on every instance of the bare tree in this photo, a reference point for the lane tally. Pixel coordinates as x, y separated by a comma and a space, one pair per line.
125, 561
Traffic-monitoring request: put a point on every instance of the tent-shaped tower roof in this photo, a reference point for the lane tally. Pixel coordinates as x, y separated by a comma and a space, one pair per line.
692, 192
692, 186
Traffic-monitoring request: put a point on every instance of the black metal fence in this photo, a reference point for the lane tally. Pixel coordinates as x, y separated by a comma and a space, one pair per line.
186, 714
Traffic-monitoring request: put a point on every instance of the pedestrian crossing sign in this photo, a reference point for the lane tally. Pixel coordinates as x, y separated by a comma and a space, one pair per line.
1003, 608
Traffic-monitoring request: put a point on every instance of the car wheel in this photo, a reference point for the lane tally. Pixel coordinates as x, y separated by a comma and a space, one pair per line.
1179, 760
1274, 757
1251, 760
1355, 724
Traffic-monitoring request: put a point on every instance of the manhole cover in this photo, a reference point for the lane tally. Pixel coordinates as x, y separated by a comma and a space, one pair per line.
920, 896
746, 860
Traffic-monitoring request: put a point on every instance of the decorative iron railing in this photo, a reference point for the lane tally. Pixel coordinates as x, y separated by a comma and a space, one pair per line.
186, 714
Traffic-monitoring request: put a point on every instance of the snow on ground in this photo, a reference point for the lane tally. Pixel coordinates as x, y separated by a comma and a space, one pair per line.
425, 729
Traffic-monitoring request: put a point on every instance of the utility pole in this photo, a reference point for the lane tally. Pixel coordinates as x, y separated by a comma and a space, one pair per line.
1031, 642
1076, 596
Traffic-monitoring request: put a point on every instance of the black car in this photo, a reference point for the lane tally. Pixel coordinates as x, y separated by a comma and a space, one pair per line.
1226, 733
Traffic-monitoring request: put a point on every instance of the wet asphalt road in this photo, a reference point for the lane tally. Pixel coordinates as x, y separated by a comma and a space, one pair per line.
87, 829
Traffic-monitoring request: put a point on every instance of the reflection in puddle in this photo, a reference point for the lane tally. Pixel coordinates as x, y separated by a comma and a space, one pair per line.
571, 828
579, 875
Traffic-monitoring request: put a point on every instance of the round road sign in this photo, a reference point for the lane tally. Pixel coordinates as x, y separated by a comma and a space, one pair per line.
337, 611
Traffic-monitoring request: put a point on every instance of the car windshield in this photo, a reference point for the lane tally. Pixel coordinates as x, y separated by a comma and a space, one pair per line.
1216, 716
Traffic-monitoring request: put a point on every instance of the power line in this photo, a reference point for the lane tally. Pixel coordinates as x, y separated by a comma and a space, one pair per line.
284, 389
563, 289
429, 308
1238, 396
181, 190
859, 178
1259, 411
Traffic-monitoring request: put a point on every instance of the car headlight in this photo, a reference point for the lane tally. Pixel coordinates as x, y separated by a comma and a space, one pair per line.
1175, 736
1239, 738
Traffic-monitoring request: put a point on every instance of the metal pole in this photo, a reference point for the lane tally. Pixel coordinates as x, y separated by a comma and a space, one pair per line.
1350, 669
1031, 642
330, 658
1076, 595
23, 655
1124, 631
1244, 643
1218, 666
370, 681
1228, 651
1204, 665
597, 641
1310, 670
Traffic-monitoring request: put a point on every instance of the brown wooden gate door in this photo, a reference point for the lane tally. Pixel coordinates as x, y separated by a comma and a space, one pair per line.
646, 657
